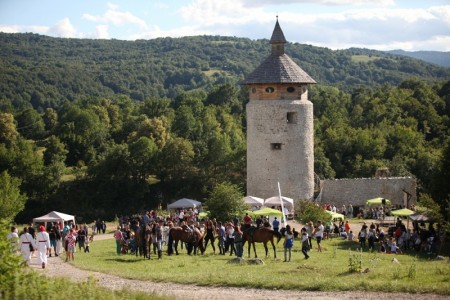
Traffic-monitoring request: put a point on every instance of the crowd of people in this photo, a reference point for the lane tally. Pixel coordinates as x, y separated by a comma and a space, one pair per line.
227, 236
43, 242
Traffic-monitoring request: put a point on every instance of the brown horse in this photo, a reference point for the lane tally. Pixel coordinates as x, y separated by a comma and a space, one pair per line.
192, 237
263, 235
143, 240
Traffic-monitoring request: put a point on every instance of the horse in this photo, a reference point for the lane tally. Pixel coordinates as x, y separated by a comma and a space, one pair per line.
191, 236
143, 241
263, 235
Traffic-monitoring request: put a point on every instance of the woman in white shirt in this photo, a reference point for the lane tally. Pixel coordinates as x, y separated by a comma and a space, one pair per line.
319, 235
13, 239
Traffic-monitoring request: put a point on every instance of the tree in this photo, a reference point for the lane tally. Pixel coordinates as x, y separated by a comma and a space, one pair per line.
8, 131
441, 188
225, 202
50, 118
12, 201
30, 124
175, 160
306, 211
143, 157
55, 151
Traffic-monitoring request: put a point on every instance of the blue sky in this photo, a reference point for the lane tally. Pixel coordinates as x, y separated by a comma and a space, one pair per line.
337, 24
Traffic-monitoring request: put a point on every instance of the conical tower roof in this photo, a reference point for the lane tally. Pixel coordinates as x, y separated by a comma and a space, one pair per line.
278, 67
277, 35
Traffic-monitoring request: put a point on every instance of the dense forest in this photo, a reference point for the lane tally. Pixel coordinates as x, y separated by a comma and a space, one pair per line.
100, 128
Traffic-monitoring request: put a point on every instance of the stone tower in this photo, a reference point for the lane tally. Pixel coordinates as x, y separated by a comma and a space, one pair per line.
280, 141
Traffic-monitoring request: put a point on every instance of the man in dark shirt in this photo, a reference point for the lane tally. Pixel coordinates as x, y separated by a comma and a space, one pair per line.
276, 224
259, 222
31, 230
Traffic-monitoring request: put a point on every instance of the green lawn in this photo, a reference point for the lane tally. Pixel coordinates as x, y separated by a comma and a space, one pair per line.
325, 271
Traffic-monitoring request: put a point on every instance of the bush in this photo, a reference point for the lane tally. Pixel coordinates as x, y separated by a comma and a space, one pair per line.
306, 211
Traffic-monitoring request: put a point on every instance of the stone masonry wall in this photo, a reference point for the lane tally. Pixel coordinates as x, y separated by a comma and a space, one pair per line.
340, 192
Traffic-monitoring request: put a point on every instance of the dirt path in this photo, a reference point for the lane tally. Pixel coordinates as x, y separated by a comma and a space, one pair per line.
58, 268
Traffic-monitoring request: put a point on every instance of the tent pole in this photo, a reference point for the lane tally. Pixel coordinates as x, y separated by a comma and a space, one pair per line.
282, 206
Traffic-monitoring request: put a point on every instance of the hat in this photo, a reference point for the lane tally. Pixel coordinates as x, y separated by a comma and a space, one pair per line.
41, 228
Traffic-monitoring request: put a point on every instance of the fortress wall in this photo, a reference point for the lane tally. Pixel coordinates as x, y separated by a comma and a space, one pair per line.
340, 192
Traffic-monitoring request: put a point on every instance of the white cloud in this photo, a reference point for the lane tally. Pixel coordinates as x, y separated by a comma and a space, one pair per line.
219, 12
411, 29
317, 2
101, 32
115, 16
157, 32
63, 29
22, 28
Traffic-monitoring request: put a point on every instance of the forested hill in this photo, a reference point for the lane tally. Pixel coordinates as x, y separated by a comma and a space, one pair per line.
46, 71
435, 57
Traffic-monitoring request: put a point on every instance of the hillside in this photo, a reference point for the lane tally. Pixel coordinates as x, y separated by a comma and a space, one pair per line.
47, 71
434, 57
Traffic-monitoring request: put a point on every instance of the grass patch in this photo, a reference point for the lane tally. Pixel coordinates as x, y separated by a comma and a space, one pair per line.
327, 271
363, 58
213, 72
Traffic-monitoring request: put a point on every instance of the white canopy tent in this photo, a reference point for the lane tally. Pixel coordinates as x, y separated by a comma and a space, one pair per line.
54, 216
275, 201
254, 201
184, 203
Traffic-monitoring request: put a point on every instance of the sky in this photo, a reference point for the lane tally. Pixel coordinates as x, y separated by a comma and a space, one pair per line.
410, 25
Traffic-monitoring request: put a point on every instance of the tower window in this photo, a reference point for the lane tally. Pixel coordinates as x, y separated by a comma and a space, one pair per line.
270, 89
291, 117
275, 146
253, 90
290, 89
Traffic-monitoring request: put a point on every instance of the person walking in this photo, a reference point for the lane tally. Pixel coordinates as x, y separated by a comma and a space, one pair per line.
71, 238
347, 227
118, 236
221, 232
318, 232
159, 237
309, 230
288, 243
81, 238
230, 238
305, 243
238, 241
43, 244
26, 245
209, 236
13, 239
52, 236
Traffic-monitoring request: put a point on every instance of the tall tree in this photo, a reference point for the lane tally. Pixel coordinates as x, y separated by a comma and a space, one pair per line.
225, 202
12, 200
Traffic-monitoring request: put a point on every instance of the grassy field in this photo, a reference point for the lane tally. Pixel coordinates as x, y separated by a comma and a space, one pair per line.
363, 58
327, 271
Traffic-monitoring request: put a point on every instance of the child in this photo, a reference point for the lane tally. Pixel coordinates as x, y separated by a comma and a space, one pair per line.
395, 248
383, 247
88, 242
71, 239
350, 236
